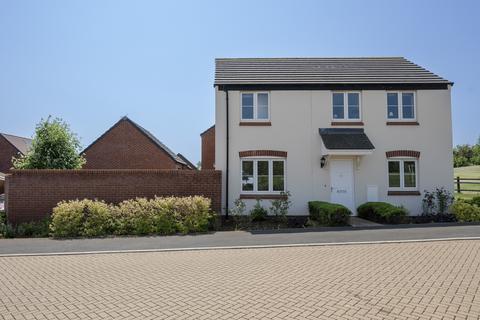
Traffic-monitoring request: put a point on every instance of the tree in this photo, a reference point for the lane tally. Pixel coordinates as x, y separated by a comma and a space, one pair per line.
54, 146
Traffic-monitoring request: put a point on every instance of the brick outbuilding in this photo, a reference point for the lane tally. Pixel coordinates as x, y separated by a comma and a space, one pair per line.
127, 145
208, 148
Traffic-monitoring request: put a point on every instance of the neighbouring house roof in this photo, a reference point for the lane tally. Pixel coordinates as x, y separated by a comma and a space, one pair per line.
20, 143
189, 164
212, 127
360, 70
345, 139
148, 135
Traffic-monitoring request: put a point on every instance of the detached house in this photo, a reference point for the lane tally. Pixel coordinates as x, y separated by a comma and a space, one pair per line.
345, 130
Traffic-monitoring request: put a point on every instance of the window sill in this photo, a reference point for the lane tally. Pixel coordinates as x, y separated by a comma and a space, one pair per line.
402, 123
403, 193
262, 196
255, 123
347, 123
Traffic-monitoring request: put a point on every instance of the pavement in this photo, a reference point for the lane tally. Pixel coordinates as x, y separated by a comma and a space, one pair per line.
409, 280
241, 239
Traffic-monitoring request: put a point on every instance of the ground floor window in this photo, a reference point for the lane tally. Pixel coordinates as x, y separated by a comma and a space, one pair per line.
402, 174
263, 175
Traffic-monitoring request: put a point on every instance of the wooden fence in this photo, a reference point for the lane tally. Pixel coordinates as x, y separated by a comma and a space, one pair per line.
469, 184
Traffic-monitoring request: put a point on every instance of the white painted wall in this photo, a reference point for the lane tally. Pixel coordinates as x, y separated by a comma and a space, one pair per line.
296, 117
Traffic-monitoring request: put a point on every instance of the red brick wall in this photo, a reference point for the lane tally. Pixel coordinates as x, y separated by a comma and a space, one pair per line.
125, 147
7, 151
208, 149
31, 194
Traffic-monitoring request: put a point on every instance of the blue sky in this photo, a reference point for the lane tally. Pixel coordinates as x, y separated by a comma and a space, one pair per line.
92, 62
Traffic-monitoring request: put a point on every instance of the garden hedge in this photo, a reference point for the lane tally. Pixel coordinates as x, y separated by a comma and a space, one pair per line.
132, 217
329, 214
466, 211
382, 212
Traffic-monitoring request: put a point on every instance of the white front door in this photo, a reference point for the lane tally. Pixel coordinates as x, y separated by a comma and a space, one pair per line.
341, 181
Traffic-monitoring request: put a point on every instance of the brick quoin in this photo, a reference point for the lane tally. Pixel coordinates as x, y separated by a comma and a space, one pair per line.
208, 149
32, 194
403, 153
126, 147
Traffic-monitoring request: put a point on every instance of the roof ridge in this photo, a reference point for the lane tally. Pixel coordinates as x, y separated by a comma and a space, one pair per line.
312, 57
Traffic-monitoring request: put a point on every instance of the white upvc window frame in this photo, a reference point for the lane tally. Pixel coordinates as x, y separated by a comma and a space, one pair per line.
402, 174
255, 106
345, 107
270, 175
400, 106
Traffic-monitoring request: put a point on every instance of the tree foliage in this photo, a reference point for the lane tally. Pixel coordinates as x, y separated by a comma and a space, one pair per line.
54, 146
466, 155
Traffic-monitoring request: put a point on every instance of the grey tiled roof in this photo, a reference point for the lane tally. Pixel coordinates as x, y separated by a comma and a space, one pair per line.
22, 144
373, 70
188, 162
345, 139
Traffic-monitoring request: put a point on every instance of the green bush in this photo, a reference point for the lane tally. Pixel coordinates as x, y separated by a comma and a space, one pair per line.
26, 229
465, 212
258, 213
81, 218
474, 201
133, 217
138, 216
97, 218
382, 212
36, 229
67, 219
329, 214
191, 213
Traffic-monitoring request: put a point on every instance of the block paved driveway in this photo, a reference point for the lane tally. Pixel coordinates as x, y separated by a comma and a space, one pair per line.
429, 280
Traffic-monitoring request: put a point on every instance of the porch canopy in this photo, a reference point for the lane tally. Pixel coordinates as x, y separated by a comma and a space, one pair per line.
345, 141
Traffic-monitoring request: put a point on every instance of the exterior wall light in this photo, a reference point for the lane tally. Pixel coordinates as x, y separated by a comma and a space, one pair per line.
323, 161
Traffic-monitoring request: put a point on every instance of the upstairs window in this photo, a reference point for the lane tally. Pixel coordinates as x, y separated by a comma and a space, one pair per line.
255, 106
402, 174
263, 175
346, 106
401, 105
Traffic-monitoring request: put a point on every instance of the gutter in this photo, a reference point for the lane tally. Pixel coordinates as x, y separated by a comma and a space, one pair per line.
227, 156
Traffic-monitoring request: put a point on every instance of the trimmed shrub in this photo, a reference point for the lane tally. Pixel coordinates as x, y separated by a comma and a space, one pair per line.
466, 212
258, 213
329, 214
133, 217
81, 218
67, 219
192, 214
382, 212
97, 218
138, 216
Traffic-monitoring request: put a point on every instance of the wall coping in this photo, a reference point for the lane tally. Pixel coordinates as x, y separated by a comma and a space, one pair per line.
108, 171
